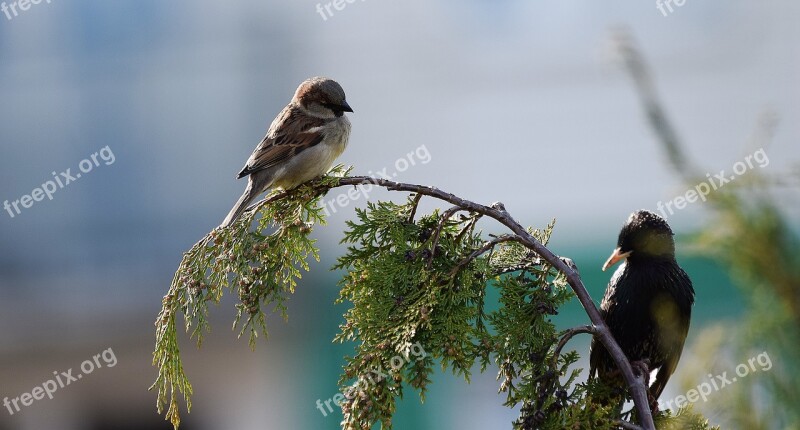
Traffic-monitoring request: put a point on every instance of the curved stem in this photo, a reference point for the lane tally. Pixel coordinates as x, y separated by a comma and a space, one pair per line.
435, 240
574, 331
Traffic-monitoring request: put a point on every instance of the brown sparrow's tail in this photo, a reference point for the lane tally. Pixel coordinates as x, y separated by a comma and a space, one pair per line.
250, 193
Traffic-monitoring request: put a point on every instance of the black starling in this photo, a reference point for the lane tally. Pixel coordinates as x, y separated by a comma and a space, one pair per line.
647, 305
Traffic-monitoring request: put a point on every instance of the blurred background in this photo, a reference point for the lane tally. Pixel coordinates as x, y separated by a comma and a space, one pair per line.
522, 102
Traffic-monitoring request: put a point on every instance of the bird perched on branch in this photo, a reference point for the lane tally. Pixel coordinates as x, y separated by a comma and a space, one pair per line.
301, 144
647, 305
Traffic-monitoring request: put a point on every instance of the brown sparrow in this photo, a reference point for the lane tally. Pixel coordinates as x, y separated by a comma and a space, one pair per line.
301, 144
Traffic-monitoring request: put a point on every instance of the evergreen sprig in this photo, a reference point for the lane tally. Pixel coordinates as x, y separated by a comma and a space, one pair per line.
261, 264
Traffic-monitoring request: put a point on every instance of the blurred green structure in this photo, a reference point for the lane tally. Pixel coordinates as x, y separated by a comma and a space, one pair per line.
752, 240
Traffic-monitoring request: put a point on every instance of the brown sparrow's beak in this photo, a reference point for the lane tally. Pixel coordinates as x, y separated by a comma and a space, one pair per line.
615, 257
346, 107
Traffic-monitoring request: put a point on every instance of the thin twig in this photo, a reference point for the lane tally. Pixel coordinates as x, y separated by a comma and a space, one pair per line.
480, 251
470, 225
517, 267
566, 338
435, 238
414, 206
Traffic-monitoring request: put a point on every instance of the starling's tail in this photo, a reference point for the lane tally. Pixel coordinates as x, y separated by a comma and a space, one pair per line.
250, 193
662, 377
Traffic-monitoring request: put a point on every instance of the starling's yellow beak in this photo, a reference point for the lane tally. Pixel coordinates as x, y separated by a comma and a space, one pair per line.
615, 257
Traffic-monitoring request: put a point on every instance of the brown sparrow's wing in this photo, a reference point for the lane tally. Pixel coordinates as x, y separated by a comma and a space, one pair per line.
291, 133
